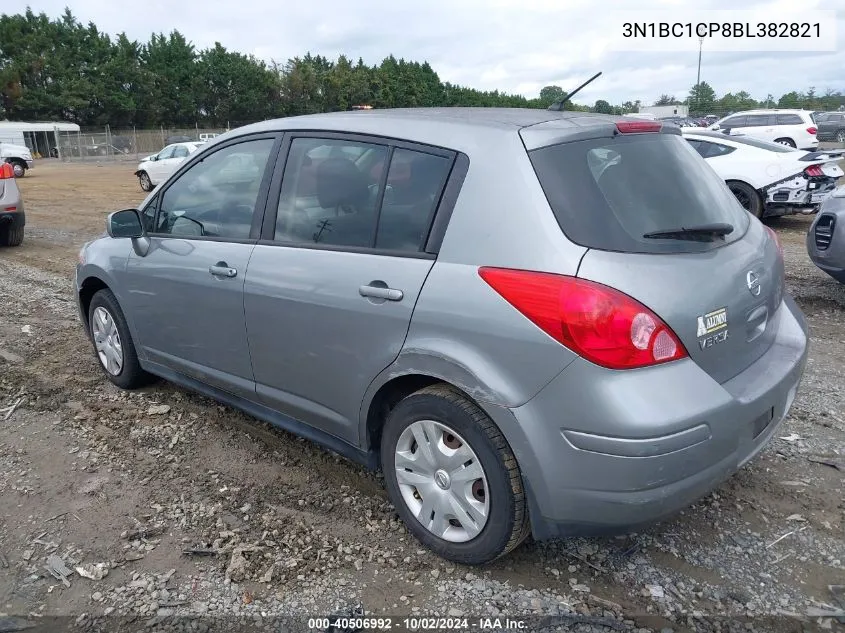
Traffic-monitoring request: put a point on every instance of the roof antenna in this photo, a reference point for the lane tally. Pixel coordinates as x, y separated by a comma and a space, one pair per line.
558, 105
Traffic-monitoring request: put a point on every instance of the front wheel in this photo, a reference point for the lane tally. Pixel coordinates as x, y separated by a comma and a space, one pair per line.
786, 141
113, 343
452, 477
747, 197
145, 182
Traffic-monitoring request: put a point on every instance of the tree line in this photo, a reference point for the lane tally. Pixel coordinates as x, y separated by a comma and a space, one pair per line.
61, 69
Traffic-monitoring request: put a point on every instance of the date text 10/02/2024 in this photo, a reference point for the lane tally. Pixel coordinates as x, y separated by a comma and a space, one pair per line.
415, 624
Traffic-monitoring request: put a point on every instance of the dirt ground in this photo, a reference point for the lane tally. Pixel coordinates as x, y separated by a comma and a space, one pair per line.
195, 509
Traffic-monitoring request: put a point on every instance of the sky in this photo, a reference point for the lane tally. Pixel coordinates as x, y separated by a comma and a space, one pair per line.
517, 46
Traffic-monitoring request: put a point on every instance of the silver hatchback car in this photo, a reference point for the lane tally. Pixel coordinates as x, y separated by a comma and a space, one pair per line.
534, 322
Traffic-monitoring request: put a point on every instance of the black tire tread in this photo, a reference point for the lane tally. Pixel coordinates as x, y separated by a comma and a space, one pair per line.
132, 376
11, 236
521, 525
754, 193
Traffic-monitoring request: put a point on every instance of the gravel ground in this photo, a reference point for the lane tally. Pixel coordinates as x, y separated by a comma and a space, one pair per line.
165, 506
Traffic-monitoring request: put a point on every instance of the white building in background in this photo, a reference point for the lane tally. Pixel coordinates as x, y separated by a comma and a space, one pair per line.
39, 137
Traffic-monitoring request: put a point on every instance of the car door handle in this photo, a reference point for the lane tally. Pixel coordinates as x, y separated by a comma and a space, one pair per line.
222, 269
379, 292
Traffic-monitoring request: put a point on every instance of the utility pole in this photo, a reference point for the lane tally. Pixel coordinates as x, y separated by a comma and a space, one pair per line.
698, 76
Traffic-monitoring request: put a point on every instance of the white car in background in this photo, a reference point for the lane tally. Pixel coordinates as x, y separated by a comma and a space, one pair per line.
156, 168
769, 179
795, 128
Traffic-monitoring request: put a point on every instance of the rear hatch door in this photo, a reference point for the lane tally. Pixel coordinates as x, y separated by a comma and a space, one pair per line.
663, 228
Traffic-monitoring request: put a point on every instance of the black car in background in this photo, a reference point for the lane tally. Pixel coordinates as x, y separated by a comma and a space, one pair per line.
831, 126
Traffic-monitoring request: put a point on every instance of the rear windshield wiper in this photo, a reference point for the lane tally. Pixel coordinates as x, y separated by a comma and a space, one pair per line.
701, 232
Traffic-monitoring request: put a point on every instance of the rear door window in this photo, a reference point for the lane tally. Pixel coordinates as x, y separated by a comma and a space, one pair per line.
609, 193
759, 120
789, 119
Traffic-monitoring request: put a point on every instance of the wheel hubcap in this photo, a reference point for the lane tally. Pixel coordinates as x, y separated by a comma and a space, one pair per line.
442, 481
107, 341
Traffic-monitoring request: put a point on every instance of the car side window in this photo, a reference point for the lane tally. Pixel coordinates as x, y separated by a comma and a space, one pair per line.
710, 150
758, 120
180, 151
415, 181
167, 152
330, 192
735, 121
789, 119
217, 196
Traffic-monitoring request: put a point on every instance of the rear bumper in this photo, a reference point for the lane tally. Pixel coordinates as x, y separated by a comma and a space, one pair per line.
607, 452
800, 192
16, 218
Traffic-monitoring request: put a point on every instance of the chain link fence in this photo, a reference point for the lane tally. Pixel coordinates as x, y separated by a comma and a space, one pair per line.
132, 144
123, 144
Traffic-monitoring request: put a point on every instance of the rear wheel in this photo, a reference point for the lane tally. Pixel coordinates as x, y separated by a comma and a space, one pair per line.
840, 136
747, 197
452, 477
144, 180
785, 141
11, 235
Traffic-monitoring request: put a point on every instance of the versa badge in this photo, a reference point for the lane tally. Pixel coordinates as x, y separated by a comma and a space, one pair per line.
712, 328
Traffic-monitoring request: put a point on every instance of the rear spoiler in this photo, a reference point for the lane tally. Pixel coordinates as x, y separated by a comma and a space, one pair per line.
824, 155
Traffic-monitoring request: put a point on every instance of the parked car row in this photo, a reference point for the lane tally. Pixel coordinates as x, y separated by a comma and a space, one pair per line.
462, 299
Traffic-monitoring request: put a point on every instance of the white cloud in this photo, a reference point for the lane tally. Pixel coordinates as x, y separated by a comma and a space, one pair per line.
511, 45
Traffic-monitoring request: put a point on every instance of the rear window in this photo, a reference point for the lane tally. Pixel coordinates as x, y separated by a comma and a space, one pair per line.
608, 193
790, 119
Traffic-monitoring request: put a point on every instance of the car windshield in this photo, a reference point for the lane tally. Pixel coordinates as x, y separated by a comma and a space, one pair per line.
609, 193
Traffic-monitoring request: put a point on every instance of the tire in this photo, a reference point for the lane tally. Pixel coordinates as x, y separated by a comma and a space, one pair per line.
748, 197
19, 168
438, 410
145, 182
129, 375
11, 236
785, 141
840, 136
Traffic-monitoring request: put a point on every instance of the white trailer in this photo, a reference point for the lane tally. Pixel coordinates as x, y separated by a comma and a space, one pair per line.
38, 136
662, 112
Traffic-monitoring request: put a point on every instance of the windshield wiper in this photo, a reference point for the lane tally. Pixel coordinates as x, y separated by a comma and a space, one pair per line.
702, 232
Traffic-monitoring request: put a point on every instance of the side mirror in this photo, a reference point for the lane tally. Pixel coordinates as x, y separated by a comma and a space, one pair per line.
126, 223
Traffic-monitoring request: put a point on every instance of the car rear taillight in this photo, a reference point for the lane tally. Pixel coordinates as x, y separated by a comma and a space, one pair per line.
6, 171
814, 171
812, 130
601, 324
638, 127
